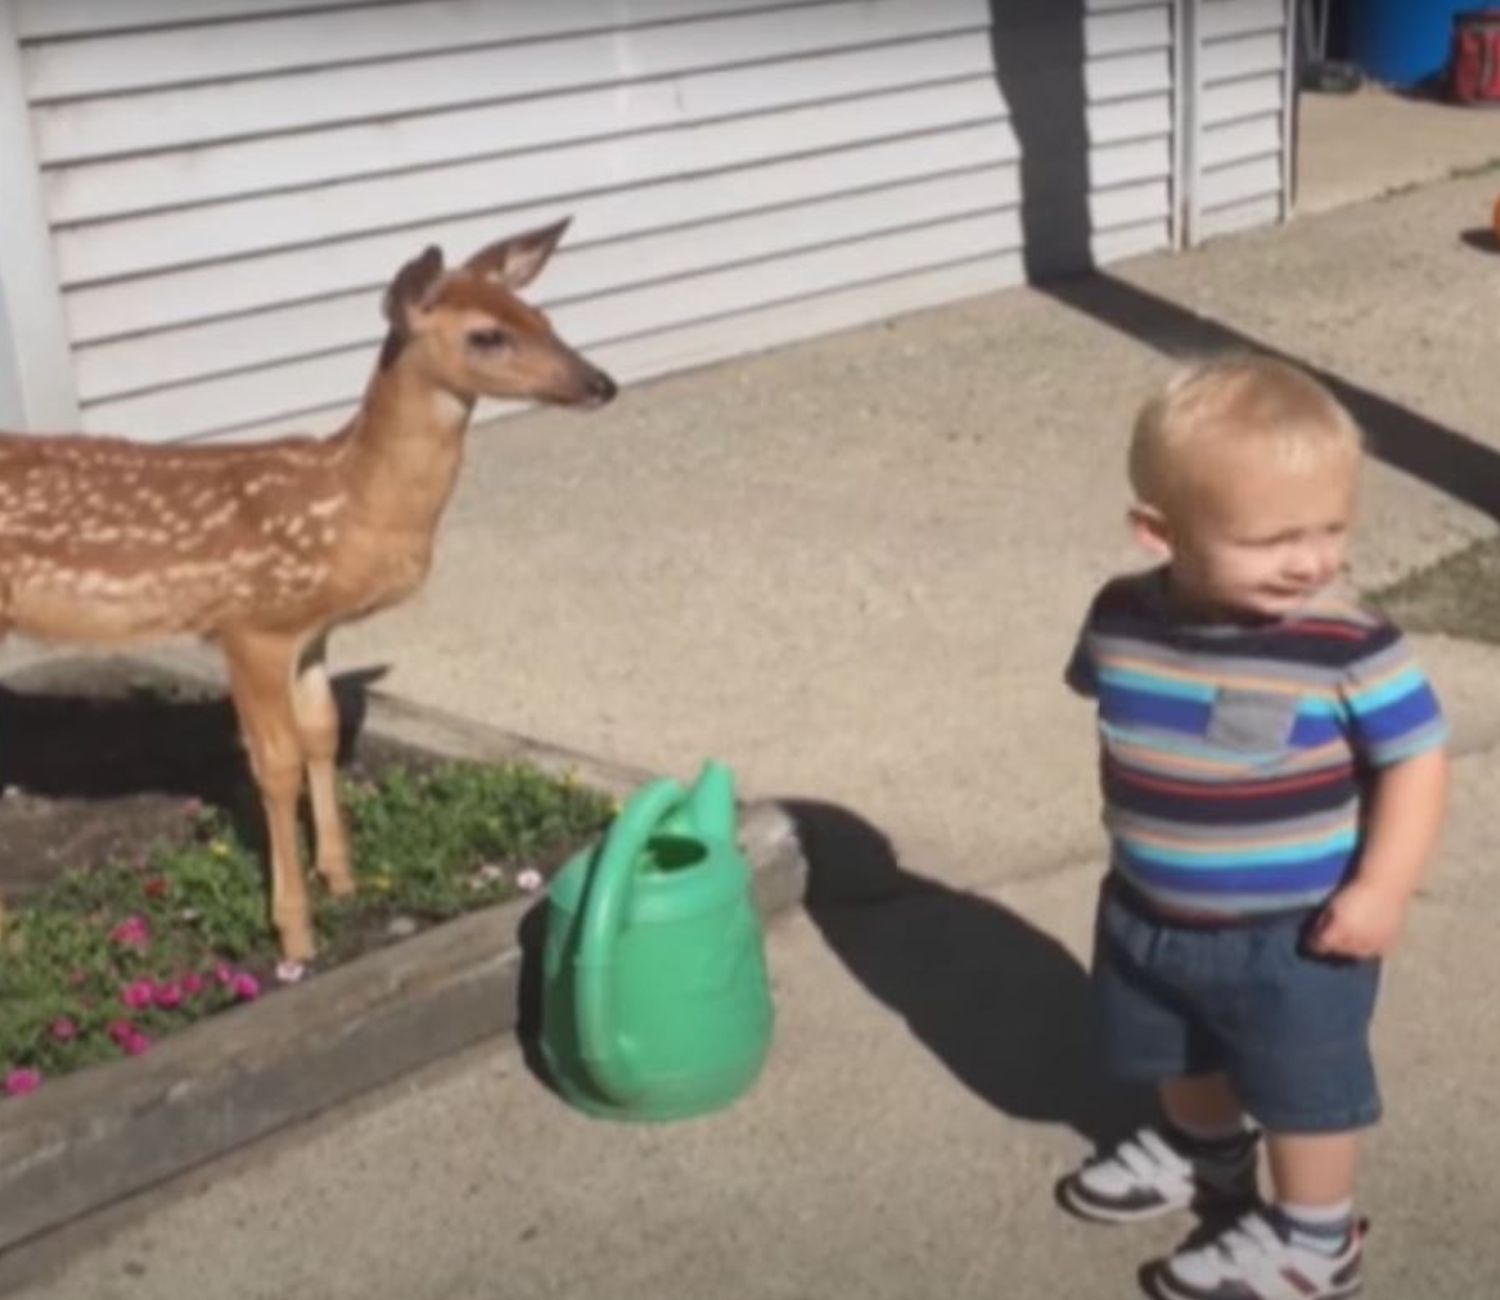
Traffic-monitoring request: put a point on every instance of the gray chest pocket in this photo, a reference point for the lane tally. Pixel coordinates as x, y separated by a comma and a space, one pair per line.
1252, 722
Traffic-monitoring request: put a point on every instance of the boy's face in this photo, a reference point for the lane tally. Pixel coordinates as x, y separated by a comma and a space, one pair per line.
1257, 540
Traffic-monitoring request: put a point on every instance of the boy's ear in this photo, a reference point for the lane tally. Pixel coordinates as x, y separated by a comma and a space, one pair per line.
1150, 529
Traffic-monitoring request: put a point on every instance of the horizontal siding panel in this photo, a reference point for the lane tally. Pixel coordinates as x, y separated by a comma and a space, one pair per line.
299, 101
215, 172
1232, 100
223, 288
37, 19
1236, 217
1127, 75
1243, 56
1130, 205
148, 243
1130, 119
1238, 141
1241, 181
1132, 241
321, 39
111, 369
305, 385
1220, 18
1127, 31
758, 330
1137, 160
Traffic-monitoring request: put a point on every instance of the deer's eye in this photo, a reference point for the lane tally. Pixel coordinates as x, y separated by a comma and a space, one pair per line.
488, 340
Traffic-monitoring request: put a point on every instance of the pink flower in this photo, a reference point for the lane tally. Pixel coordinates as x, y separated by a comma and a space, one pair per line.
63, 1029
20, 1081
245, 986
128, 1038
138, 995
168, 994
132, 932
192, 983
223, 973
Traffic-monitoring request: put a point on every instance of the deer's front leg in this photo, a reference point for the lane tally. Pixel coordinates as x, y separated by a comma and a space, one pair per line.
261, 679
318, 729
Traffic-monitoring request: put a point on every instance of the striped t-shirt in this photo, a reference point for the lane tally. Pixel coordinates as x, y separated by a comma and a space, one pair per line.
1234, 759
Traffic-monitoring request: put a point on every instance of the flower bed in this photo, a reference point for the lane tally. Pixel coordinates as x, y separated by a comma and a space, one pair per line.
108, 958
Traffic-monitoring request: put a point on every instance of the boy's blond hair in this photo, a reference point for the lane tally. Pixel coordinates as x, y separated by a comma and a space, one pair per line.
1245, 404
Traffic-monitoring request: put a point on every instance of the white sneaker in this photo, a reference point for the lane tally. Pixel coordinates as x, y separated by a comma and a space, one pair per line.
1252, 1261
1145, 1177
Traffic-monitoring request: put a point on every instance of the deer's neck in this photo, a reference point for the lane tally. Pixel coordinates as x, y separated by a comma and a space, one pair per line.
404, 448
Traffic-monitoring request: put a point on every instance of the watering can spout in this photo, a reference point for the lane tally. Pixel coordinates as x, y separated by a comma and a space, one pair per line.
710, 804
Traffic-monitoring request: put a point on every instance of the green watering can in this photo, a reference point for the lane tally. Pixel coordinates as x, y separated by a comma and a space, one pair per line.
655, 1003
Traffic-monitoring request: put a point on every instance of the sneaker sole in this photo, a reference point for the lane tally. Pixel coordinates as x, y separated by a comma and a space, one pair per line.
1162, 1288
1076, 1203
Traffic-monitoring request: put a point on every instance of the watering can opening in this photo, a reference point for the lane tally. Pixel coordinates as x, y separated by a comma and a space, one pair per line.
667, 853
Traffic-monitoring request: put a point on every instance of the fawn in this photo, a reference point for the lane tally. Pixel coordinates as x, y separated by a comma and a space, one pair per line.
265, 548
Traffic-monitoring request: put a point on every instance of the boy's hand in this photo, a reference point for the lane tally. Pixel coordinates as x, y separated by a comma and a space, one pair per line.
1361, 920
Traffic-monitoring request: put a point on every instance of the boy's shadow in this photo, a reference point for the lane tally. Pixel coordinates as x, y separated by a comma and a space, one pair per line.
1002, 1004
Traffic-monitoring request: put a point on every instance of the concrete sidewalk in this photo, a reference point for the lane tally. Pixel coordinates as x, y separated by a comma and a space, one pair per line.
1352, 148
854, 569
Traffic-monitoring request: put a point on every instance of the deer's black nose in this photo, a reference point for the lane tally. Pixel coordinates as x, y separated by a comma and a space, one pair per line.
600, 387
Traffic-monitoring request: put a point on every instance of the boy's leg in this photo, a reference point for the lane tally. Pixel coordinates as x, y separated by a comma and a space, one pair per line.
1313, 1168
1202, 1106
1299, 1058
1305, 1246
1202, 1155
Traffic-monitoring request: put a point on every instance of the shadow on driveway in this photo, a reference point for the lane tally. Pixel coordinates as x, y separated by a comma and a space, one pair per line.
1001, 1003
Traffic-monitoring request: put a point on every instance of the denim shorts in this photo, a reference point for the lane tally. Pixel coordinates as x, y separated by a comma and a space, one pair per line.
1291, 1030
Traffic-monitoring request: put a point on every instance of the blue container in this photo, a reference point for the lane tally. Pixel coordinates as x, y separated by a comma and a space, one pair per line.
1404, 42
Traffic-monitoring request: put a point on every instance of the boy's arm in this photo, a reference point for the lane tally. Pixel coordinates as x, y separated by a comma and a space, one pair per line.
1365, 917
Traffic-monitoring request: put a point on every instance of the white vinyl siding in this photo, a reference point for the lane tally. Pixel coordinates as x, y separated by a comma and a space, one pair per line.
1128, 85
229, 184
1240, 150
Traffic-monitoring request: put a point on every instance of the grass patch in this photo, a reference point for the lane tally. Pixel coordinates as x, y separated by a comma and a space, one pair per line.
107, 959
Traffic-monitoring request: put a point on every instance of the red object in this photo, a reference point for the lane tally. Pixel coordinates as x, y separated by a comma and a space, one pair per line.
1475, 66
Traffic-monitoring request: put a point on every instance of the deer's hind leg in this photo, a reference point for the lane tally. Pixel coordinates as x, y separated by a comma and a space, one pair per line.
318, 729
261, 669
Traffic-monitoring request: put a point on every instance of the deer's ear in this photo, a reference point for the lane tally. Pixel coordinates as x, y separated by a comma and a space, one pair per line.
413, 286
516, 261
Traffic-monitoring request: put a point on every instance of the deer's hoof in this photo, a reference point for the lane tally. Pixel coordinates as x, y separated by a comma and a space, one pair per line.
290, 972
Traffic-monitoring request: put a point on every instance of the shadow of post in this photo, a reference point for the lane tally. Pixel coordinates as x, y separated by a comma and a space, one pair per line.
1000, 1003
1443, 458
1039, 57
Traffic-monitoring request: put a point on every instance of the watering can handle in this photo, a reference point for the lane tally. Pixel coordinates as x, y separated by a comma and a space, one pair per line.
609, 893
